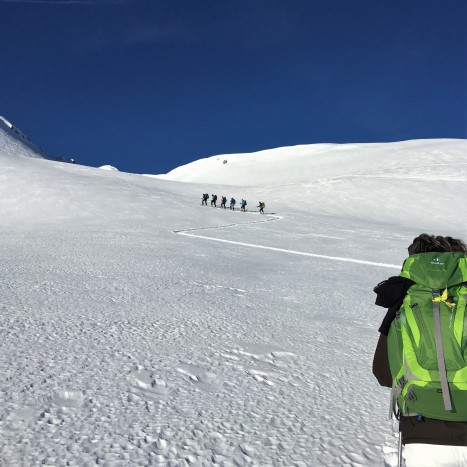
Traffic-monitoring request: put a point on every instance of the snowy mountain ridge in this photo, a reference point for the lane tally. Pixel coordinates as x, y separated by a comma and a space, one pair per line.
14, 141
305, 163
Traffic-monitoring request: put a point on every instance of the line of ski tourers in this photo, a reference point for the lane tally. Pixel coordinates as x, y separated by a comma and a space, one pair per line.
233, 202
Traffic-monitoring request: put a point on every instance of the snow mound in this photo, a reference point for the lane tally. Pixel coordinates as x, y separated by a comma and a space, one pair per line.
109, 167
14, 141
302, 164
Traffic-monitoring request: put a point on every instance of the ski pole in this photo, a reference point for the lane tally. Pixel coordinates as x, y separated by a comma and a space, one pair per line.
399, 460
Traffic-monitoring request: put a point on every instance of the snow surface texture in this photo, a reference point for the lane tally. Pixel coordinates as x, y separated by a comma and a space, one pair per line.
139, 328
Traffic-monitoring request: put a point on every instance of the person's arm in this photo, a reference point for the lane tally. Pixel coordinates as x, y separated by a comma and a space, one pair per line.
381, 368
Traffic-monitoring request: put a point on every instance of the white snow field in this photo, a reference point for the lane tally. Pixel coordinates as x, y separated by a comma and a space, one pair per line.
138, 327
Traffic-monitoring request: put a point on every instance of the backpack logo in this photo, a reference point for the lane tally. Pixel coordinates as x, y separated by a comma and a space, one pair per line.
437, 262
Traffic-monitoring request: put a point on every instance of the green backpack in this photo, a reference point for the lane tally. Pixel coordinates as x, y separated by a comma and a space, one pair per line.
427, 342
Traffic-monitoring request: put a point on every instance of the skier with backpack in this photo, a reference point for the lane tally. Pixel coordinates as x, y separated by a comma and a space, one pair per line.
214, 200
224, 200
261, 207
243, 205
204, 199
422, 351
232, 204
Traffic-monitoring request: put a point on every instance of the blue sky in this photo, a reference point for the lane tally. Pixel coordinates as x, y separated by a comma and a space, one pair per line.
148, 85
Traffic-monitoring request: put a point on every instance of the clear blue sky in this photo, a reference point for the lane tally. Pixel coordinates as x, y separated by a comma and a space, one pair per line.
148, 85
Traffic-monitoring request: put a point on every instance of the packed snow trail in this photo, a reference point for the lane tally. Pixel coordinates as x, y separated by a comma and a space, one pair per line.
187, 233
223, 226
293, 252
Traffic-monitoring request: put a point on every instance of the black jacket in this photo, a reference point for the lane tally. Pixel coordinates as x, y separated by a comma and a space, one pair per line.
390, 294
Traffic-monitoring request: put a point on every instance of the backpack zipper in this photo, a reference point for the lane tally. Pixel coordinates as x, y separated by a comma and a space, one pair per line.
421, 324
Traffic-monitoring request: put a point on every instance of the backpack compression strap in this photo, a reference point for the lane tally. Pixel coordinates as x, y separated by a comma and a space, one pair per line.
437, 299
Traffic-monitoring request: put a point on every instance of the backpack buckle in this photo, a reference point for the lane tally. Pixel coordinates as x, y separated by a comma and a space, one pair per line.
411, 395
402, 382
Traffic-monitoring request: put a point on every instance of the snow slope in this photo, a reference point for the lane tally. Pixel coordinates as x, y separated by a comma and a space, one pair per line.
140, 328
308, 163
417, 183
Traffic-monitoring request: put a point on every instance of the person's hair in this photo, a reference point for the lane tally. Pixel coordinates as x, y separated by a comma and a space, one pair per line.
457, 245
443, 243
426, 243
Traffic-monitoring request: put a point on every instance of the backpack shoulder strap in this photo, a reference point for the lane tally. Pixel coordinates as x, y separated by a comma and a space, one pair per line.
437, 299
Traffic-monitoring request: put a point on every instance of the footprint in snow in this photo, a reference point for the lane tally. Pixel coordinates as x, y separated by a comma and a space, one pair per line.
148, 383
206, 379
68, 399
261, 376
265, 354
266, 357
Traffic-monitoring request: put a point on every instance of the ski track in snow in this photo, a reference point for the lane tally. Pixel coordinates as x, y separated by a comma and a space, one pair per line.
187, 233
223, 226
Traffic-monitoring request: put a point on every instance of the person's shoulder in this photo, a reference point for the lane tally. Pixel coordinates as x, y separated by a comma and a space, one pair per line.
391, 290
395, 280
